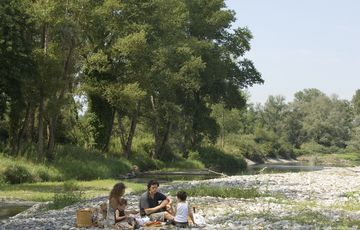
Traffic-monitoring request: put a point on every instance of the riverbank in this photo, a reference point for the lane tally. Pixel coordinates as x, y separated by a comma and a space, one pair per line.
305, 200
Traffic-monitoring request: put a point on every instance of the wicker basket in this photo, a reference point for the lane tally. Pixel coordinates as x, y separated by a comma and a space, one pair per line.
84, 217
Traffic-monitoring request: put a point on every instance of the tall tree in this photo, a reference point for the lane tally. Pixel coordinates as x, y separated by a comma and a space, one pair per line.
17, 66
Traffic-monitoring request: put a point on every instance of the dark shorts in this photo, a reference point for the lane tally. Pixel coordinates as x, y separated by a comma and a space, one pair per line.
181, 224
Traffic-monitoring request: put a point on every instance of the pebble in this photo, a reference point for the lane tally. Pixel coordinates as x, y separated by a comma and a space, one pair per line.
319, 192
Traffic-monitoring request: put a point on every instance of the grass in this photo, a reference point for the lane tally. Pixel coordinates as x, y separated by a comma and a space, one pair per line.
216, 191
44, 191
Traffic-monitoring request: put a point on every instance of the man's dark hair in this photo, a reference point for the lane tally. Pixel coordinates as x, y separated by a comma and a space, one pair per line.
181, 195
122, 201
152, 182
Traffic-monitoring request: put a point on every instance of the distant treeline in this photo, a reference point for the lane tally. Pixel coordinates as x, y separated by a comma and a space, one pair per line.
312, 123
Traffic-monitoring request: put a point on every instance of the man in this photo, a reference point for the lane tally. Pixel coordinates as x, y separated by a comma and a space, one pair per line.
154, 204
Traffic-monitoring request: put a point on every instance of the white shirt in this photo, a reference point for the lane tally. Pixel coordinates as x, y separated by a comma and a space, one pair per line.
182, 212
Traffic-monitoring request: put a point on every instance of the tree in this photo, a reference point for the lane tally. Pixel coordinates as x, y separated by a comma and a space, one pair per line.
17, 66
327, 121
356, 102
274, 113
226, 72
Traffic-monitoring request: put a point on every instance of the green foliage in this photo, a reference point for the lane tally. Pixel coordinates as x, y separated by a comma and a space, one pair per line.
33, 172
185, 164
77, 163
194, 155
144, 161
355, 102
102, 121
224, 192
315, 148
17, 174
71, 185
218, 160
246, 146
63, 199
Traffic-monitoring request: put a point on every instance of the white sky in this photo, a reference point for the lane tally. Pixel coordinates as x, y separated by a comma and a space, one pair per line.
302, 44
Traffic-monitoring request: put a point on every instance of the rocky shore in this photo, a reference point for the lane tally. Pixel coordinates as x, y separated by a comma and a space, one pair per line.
326, 199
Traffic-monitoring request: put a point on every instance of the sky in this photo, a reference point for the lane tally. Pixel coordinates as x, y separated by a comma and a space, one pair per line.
301, 44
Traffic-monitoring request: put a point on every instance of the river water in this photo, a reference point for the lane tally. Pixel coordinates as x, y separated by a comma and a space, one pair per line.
7, 210
282, 168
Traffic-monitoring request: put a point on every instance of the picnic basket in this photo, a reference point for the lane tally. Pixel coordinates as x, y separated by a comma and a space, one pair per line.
84, 217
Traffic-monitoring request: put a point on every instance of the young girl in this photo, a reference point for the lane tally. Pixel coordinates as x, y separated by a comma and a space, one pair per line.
122, 220
182, 211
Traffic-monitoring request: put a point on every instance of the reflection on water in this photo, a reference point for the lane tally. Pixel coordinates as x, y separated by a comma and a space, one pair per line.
11, 210
282, 168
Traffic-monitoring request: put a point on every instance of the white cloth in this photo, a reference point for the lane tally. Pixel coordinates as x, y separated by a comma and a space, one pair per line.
110, 215
182, 212
199, 220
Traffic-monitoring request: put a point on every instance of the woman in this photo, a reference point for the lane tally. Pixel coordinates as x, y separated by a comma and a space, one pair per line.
116, 193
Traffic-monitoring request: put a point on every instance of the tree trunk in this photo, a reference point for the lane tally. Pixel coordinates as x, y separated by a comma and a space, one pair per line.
128, 144
55, 115
51, 142
105, 147
24, 127
40, 142
155, 127
31, 131
161, 140
15, 119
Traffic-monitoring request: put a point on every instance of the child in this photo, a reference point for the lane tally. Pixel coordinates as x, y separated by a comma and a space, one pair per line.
183, 211
122, 220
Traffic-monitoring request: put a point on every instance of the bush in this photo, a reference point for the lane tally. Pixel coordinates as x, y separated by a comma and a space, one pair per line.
80, 164
217, 160
16, 174
68, 196
2, 180
194, 155
47, 173
248, 147
285, 150
71, 185
315, 148
186, 164
63, 199
145, 162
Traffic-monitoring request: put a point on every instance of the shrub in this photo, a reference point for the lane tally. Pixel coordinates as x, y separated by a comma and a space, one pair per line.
145, 162
285, 149
2, 180
47, 173
186, 164
77, 163
313, 148
16, 174
217, 160
248, 147
68, 196
63, 199
194, 155
71, 185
